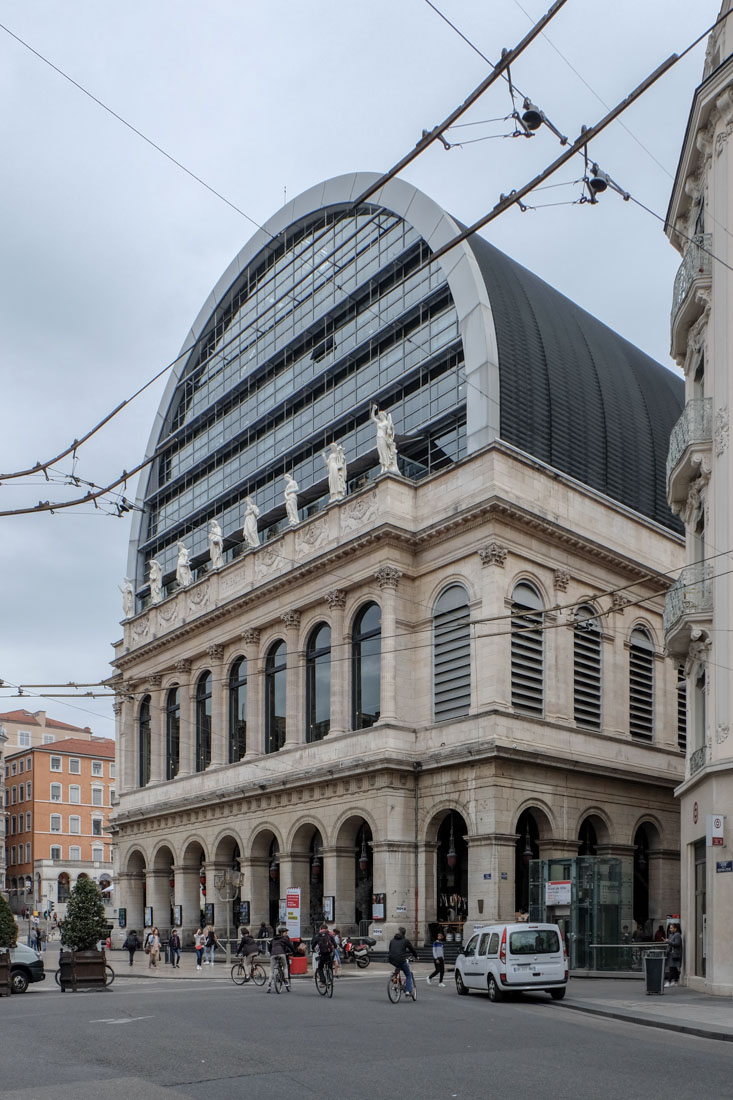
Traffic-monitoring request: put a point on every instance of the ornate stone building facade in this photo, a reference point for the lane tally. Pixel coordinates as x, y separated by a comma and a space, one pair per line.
434, 677
699, 608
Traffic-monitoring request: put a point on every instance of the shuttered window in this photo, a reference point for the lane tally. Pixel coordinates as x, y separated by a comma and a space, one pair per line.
451, 654
641, 686
681, 708
587, 669
527, 650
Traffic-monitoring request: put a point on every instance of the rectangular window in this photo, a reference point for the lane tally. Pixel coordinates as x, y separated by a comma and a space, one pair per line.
28, 791
55, 823
27, 823
21, 792
12, 856
28, 763
48, 739
55, 763
96, 767
55, 852
14, 795
75, 794
27, 853
24, 739
20, 823
74, 824
98, 854
55, 792
74, 765
74, 852
97, 796
111, 796
13, 768
96, 826
13, 824
20, 767
112, 771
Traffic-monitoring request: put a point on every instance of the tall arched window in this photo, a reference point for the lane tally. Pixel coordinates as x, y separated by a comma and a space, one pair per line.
173, 732
587, 668
528, 689
238, 710
143, 741
203, 722
451, 654
318, 682
366, 662
641, 685
275, 696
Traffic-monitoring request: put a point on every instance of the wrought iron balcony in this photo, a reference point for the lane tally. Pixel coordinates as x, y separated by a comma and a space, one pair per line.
690, 597
694, 426
697, 760
696, 267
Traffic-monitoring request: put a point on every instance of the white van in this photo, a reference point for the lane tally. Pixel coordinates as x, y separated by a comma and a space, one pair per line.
512, 958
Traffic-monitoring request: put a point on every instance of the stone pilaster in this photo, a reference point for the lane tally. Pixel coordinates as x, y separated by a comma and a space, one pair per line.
187, 719
158, 894
255, 710
388, 577
336, 600
130, 886
157, 729
295, 711
493, 652
219, 709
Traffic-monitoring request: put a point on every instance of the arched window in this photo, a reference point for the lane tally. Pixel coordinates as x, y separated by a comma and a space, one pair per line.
528, 687
641, 685
173, 732
203, 722
451, 654
587, 668
143, 741
238, 710
275, 696
318, 682
366, 661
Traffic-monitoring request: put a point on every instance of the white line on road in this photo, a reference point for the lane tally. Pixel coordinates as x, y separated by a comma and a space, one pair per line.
127, 1020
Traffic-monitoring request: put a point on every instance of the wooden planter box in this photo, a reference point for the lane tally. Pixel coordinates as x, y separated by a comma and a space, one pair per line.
5, 974
82, 970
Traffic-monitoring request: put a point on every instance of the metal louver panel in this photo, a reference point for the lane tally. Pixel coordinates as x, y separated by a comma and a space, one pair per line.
451, 655
587, 671
527, 654
641, 687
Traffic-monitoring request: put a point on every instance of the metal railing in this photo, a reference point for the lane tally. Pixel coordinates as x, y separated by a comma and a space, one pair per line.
691, 594
694, 426
696, 264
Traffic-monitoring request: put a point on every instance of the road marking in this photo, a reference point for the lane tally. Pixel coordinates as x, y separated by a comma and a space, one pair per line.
127, 1020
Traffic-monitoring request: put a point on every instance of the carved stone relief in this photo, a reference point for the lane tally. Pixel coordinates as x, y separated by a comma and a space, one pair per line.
388, 576
493, 554
266, 561
562, 580
721, 431
310, 537
359, 511
721, 732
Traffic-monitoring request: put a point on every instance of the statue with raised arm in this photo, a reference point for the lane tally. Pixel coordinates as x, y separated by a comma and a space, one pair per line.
155, 576
184, 576
386, 447
335, 460
216, 545
128, 598
291, 500
251, 515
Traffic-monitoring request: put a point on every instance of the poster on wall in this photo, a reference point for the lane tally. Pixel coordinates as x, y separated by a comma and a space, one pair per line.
177, 915
379, 905
244, 912
328, 908
148, 916
558, 893
292, 911
281, 911
209, 912
122, 917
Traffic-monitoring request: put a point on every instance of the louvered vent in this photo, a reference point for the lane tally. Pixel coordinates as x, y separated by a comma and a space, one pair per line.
587, 669
527, 651
641, 686
681, 708
451, 654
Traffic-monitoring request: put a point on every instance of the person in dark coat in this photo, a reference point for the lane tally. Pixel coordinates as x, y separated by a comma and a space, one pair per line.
399, 950
131, 944
674, 954
174, 949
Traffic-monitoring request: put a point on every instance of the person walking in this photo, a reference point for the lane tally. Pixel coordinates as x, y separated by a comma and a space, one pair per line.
199, 944
280, 949
439, 959
336, 960
174, 949
211, 944
153, 946
674, 954
131, 944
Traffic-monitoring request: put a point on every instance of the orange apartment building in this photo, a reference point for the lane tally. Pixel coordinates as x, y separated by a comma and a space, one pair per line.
57, 800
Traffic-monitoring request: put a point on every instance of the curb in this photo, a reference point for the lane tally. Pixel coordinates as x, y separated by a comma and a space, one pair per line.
686, 1029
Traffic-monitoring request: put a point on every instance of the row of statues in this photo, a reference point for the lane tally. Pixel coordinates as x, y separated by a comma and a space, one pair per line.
335, 460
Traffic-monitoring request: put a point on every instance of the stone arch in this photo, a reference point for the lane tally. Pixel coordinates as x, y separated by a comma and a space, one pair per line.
524, 576
348, 824
439, 587
599, 821
300, 834
352, 612
227, 848
261, 838
163, 856
644, 624
446, 846
542, 814
193, 852
653, 828
135, 861
437, 812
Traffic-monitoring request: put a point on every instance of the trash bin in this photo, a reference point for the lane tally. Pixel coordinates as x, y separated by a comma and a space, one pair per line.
654, 960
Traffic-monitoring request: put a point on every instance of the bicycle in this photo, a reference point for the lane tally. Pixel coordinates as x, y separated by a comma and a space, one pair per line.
397, 986
281, 975
256, 974
324, 978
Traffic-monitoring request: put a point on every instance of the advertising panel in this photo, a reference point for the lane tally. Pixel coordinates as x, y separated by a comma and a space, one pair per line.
292, 911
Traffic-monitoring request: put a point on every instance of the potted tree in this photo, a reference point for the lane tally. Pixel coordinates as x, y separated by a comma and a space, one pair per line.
8, 939
82, 929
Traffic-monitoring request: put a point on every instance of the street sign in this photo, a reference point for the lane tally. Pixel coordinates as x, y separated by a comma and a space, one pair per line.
558, 893
715, 833
723, 865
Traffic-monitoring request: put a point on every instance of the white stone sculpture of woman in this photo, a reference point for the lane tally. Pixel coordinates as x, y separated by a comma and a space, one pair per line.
386, 447
128, 598
291, 500
155, 576
335, 460
216, 545
251, 515
184, 576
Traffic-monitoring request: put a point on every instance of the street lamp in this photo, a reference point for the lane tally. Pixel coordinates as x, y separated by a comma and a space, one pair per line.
227, 885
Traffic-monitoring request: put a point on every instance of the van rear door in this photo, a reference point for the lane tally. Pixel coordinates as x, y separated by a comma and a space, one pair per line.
535, 955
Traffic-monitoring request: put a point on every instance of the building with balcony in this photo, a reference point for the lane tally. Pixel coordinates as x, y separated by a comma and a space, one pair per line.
698, 618
402, 691
58, 798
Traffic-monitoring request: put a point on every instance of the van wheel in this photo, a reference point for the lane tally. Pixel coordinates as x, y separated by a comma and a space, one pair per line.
460, 987
556, 994
495, 994
19, 981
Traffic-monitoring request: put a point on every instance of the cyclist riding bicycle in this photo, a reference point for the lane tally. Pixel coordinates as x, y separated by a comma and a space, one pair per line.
325, 944
280, 948
400, 949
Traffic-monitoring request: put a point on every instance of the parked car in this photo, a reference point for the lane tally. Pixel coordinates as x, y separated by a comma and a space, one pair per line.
512, 958
26, 966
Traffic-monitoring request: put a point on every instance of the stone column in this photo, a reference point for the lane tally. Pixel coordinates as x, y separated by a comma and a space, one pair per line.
158, 894
219, 697
394, 875
259, 891
340, 653
122, 752
130, 886
490, 899
664, 883
188, 896
616, 669
427, 887
125, 711
388, 577
255, 709
187, 719
295, 705
493, 651
157, 729
339, 883
559, 659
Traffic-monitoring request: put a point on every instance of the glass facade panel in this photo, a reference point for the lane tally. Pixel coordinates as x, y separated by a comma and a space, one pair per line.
318, 683
144, 742
203, 722
173, 733
238, 710
275, 697
366, 662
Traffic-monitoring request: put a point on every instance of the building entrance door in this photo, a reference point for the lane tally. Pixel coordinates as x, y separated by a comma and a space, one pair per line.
700, 907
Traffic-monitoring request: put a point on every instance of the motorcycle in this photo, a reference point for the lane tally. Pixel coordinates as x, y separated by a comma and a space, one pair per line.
358, 953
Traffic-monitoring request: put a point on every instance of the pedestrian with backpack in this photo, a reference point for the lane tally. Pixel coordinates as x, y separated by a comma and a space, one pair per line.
131, 944
324, 943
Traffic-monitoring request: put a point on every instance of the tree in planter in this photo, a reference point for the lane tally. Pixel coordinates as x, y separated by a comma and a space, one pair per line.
85, 924
8, 927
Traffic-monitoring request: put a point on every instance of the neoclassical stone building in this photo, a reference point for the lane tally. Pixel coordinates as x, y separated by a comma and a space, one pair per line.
426, 680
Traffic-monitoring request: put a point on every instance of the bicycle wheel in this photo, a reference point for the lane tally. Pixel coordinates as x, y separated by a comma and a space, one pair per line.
257, 974
329, 981
394, 989
321, 983
239, 973
278, 980
57, 976
109, 975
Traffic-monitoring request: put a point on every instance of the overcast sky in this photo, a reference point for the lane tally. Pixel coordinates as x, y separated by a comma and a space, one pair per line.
109, 250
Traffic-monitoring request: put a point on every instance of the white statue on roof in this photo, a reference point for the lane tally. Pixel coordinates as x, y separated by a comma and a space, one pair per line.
216, 545
155, 577
251, 515
184, 576
291, 500
335, 459
128, 598
386, 446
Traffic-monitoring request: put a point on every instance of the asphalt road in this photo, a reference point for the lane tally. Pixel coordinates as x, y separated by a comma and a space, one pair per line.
159, 1040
